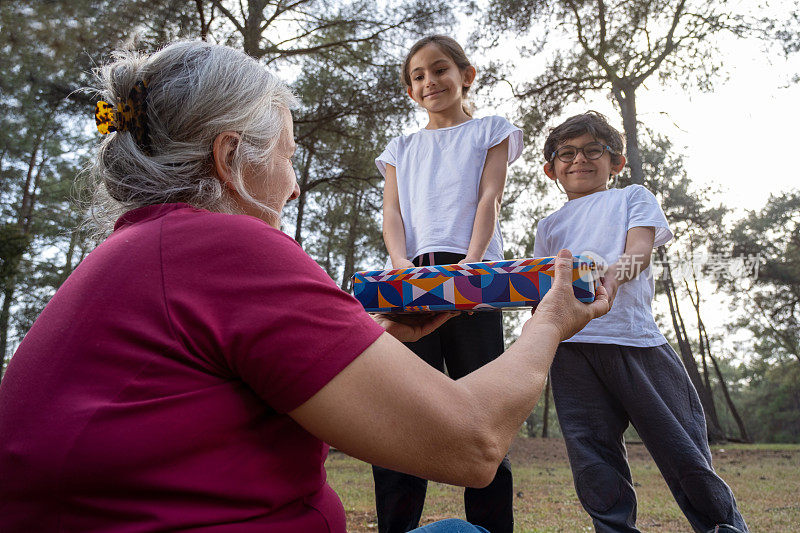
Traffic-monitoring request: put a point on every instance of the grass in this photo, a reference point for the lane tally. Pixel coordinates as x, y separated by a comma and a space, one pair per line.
764, 477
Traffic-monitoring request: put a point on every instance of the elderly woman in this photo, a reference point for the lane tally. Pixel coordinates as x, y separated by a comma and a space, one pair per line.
189, 372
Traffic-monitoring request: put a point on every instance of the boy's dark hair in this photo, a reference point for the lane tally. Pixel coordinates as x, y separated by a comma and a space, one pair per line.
591, 122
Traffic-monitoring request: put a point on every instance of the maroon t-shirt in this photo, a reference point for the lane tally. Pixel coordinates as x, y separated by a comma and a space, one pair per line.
151, 392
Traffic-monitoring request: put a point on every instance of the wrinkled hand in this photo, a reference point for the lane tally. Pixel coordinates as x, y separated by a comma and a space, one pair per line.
559, 309
411, 327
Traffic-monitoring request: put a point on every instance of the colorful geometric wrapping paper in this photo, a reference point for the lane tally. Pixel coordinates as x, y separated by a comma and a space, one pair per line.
516, 283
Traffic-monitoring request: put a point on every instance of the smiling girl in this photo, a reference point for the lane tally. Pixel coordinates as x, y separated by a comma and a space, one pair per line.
441, 204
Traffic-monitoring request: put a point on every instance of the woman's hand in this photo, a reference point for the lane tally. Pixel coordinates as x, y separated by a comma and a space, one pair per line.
412, 327
560, 310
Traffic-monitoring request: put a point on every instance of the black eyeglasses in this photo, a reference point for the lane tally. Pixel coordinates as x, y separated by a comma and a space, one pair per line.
567, 154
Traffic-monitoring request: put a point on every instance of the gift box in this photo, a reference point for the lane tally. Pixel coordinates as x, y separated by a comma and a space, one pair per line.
516, 283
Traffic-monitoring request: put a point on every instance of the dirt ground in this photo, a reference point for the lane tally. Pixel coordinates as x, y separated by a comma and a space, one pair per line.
764, 478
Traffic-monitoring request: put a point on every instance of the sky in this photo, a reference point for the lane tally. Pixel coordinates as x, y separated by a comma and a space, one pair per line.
726, 134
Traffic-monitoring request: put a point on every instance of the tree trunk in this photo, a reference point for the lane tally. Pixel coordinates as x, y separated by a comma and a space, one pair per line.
546, 415
734, 412
301, 200
712, 426
252, 28
202, 14
626, 99
350, 245
5, 316
703, 335
705, 348
24, 223
70, 256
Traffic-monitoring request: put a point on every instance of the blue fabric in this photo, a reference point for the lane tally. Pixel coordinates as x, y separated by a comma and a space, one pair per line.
451, 525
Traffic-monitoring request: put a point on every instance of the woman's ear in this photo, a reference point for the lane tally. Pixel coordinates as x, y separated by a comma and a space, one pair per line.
222, 153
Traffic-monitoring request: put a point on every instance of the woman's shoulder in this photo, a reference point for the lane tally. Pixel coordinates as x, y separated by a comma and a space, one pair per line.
229, 232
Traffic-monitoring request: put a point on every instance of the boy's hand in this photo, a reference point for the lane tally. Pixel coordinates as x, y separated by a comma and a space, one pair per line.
559, 309
411, 327
610, 281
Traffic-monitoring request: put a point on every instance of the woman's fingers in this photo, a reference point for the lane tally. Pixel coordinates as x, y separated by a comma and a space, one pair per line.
564, 268
410, 328
560, 308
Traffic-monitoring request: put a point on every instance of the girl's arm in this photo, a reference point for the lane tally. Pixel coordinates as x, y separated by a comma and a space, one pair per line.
636, 257
394, 232
490, 195
390, 408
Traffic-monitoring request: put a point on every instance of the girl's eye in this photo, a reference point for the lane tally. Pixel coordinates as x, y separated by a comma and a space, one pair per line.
439, 71
417, 78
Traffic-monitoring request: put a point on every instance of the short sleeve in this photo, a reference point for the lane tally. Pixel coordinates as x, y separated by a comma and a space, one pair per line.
388, 156
644, 211
540, 243
498, 129
246, 297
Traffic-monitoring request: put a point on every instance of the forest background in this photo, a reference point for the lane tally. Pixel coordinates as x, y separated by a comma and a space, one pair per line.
728, 286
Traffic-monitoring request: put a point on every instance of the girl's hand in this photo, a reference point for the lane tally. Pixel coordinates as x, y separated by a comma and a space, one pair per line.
412, 327
560, 310
402, 263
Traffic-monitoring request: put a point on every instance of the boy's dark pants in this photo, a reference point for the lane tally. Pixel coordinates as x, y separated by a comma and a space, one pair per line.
598, 390
465, 343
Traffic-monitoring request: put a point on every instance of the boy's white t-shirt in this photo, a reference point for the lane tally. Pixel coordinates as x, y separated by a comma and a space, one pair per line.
597, 225
438, 176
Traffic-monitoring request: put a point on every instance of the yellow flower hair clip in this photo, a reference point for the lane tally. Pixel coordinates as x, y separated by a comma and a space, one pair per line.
130, 115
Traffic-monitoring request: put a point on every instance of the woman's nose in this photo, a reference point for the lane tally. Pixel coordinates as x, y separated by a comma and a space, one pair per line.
295, 192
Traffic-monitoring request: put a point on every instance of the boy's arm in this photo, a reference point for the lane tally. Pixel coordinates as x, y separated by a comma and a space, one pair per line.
490, 194
394, 232
635, 258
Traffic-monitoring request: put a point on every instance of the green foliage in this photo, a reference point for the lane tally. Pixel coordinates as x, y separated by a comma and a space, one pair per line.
771, 302
339, 56
610, 47
771, 402
769, 308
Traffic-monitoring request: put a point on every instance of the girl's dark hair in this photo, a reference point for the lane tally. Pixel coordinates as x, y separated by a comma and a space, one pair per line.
591, 122
452, 49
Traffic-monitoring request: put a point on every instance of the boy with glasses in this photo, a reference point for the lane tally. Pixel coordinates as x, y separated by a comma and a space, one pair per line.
619, 369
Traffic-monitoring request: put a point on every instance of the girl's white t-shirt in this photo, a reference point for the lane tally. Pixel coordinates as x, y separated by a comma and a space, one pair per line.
597, 225
438, 176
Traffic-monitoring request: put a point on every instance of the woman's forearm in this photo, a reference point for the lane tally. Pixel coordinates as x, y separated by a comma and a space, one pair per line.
508, 388
390, 408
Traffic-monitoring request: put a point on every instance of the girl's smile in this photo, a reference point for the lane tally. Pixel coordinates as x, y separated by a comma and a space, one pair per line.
437, 84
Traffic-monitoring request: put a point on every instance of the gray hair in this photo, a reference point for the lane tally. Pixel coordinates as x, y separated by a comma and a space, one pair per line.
195, 91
